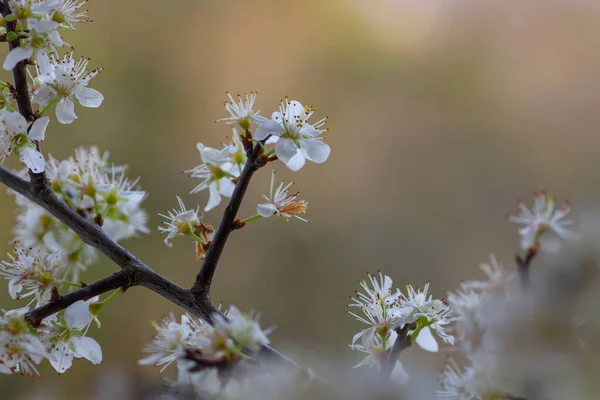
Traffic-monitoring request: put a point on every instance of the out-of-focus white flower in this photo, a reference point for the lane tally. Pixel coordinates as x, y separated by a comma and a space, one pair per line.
180, 222
65, 81
14, 138
217, 173
461, 385
241, 331
242, 110
20, 347
544, 224
171, 340
99, 191
298, 139
429, 314
36, 275
281, 203
66, 337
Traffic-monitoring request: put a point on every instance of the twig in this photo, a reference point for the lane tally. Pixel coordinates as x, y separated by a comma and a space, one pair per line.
403, 341
122, 279
201, 287
523, 266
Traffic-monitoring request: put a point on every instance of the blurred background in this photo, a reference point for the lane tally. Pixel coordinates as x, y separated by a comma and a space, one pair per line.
442, 115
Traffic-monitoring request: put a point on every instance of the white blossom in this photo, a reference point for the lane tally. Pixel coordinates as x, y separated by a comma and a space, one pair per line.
544, 224
217, 173
14, 138
41, 37
66, 337
68, 14
242, 331
20, 347
171, 340
180, 222
281, 203
65, 81
298, 139
241, 111
429, 314
35, 275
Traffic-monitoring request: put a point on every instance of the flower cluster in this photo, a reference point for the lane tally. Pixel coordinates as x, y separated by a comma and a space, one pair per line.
207, 355
295, 140
386, 310
57, 81
59, 339
95, 189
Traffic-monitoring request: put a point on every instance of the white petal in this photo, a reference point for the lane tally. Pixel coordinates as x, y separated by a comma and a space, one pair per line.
17, 54
43, 63
44, 95
214, 198
266, 210
267, 128
285, 149
226, 188
14, 287
399, 375
296, 162
426, 340
61, 357
33, 159
88, 97
316, 150
44, 7
38, 129
78, 315
42, 26
87, 348
65, 111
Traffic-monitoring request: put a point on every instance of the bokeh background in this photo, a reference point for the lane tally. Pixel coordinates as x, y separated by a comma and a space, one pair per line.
442, 114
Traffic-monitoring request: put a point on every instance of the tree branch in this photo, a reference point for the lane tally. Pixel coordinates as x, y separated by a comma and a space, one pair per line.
403, 341
201, 287
122, 279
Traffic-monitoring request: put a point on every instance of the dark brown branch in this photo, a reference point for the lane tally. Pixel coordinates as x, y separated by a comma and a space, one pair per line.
201, 287
122, 279
403, 341
523, 266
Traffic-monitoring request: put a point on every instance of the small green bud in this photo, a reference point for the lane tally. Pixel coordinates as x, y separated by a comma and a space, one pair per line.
112, 198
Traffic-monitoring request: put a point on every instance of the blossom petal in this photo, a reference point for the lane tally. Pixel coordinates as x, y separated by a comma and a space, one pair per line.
267, 128
17, 54
38, 129
87, 348
426, 340
61, 357
78, 315
88, 97
42, 26
65, 111
296, 162
214, 198
285, 149
399, 375
266, 209
316, 151
33, 159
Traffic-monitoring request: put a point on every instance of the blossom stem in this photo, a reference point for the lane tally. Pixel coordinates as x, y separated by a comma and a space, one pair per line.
47, 107
72, 284
252, 218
